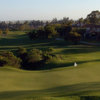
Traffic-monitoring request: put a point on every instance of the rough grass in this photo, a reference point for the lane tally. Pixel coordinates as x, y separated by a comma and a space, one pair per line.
60, 81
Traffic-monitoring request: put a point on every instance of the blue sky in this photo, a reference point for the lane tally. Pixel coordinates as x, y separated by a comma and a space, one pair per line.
46, 9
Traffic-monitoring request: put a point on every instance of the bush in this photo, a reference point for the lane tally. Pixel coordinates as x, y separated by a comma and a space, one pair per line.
54, 58
8, 58
34, 55
36, 59
53, 61
48, 55
33, 60
3, 61
21, 53
21, 50
51, 49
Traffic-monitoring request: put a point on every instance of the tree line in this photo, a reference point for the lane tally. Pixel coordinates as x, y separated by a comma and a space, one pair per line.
60, 31
92, 18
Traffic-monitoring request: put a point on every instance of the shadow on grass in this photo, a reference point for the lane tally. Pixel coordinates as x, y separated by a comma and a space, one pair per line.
79, 50
82, 90
52, 66
23, 40
18, 40
60, 65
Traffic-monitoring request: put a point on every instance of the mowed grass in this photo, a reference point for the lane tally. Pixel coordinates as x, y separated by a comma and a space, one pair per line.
62, 82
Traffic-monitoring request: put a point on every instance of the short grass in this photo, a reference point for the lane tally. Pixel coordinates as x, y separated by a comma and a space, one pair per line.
62, 82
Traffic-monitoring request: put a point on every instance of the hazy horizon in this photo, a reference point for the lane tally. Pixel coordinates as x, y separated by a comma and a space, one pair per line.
13, 10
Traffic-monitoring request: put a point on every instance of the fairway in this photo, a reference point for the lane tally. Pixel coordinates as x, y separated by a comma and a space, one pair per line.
57, 83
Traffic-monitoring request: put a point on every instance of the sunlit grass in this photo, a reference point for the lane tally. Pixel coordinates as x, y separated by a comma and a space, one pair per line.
54, 84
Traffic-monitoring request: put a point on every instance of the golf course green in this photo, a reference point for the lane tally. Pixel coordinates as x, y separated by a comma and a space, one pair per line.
62, 82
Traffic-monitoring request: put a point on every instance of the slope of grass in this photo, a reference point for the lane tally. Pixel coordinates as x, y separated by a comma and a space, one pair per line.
54, 84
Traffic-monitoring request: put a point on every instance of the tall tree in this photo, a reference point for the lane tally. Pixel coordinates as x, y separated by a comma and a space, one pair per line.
94, 17
50, 31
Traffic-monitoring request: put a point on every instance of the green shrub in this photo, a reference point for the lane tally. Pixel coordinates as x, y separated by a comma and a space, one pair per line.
33, 60
3, 61
54, 58
51, 50
8, 58
36, 59
34, 55
21, 51
53, 61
